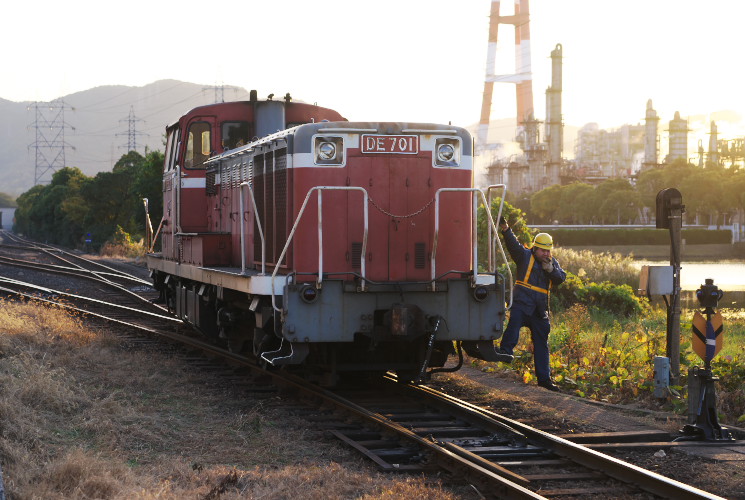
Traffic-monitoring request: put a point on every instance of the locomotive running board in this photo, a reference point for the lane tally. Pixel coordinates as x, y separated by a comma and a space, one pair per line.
481, 349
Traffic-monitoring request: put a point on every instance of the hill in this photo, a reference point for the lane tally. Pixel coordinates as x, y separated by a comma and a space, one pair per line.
97, 122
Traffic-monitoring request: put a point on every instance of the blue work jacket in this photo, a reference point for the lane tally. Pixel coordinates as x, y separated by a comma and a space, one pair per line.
531, 294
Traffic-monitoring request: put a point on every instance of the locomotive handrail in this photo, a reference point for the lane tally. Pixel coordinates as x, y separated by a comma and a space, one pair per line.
474, 239
494, 237
320, 190
243, 231
155, 238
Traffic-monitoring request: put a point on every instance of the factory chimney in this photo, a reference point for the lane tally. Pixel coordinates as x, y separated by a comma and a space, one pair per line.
650, 137
554, 129
678, 145
713, 146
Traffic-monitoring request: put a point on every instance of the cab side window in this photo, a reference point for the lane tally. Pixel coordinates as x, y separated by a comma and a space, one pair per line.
234, 134
171, 149
198, 145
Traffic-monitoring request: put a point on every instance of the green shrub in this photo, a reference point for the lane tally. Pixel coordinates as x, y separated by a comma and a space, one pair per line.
618, 300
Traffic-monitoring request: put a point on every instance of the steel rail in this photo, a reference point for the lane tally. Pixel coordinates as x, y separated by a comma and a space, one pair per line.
51, 250
50, 268
77, 270
628, 473
493, 484
68, 307
74, 297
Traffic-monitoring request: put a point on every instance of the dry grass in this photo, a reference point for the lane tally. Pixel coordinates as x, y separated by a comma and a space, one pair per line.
81, 417
599, 266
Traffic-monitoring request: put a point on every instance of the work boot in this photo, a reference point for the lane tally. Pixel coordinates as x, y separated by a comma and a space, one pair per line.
549, 384
503, 356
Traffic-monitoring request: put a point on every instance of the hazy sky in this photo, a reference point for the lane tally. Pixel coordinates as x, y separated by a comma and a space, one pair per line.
413, 60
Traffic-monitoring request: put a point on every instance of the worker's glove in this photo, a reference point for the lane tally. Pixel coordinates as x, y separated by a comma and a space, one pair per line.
502, 221
548, 266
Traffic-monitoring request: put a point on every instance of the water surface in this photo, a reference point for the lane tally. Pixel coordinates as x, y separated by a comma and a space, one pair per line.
727, 275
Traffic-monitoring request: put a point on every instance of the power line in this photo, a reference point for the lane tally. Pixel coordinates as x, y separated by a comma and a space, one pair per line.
49, 144
132, 132
220, 91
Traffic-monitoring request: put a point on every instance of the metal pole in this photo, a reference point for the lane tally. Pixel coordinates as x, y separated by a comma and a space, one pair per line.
673, 337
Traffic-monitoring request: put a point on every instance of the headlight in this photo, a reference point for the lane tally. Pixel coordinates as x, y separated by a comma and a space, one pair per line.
480, 293
447, 152
309, 293
328, 150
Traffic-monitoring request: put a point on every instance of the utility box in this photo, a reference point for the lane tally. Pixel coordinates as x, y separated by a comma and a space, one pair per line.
656, 280
661, 377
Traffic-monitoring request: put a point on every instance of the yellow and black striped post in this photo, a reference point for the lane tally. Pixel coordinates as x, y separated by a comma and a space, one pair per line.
703, 421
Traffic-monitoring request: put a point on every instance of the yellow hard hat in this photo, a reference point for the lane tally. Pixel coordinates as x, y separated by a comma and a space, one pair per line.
544, 241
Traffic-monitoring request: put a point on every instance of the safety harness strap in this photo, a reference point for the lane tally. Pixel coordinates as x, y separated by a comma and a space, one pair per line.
524, 281
532, 287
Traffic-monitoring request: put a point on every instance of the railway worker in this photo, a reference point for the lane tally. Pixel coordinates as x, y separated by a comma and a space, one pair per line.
537, 271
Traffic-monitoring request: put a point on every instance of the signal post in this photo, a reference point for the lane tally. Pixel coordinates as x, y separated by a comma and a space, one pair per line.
670, 210
703, 422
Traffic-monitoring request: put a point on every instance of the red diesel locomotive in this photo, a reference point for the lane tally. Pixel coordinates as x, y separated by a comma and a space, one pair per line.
311, 240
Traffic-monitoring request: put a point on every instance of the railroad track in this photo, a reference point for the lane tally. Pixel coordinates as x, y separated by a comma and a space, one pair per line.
101, 280
419, 429
399, 426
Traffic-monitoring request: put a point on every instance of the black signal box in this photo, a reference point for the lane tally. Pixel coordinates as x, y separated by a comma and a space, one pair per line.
668, 200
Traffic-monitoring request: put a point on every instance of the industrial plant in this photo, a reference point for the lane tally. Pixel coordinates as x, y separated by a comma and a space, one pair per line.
598, 154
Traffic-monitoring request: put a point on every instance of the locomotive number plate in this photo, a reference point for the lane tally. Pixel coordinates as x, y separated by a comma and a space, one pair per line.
402, 144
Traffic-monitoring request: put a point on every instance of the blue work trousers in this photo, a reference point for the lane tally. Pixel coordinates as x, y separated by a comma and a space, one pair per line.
539, 326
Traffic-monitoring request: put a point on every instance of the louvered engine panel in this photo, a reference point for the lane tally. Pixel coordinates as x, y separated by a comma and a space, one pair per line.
280, 202
260, 195
270, 189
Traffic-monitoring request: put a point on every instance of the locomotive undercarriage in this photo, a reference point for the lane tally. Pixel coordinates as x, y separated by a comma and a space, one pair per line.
388, 334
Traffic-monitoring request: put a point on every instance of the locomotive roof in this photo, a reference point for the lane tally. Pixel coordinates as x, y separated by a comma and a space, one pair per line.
195, 110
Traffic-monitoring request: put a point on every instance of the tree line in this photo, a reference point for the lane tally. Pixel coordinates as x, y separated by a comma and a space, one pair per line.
79, 211
712, 196
75, 209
